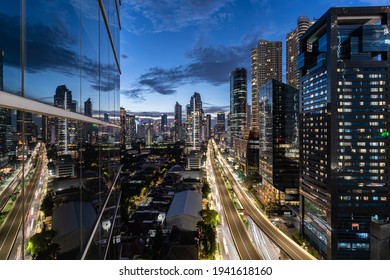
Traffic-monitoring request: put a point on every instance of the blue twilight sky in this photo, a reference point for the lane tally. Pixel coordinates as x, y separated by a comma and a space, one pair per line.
172, 48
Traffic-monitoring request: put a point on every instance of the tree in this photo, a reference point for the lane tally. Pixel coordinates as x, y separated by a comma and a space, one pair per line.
207, 236
47, 204
210, 217
206, 190
41, 246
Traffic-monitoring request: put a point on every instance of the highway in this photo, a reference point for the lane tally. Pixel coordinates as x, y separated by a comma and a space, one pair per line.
12, 224
292, 249
9, 190
241, 238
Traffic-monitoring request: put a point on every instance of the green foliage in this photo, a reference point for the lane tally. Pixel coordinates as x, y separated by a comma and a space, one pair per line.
206, 190
47, 204
207, 236
210, 217
41, 246
207, 233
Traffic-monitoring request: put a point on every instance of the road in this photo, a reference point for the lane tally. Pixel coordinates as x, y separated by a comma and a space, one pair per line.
9, 190
10, 228
292, 249
240, 235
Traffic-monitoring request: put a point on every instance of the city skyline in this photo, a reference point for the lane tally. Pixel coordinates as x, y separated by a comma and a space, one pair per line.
300, 174
195, 48
201, 45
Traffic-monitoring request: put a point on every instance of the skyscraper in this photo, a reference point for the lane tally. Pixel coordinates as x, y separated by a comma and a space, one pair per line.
194, 122
178, 120
279, 144
292, 50
221, 123
130, 130
65, 129
164, 123
238, 103
266, 65
208, 127
122, 117
88, 107
344, 98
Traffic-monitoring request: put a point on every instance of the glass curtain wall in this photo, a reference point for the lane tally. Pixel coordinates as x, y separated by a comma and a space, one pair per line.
59, 139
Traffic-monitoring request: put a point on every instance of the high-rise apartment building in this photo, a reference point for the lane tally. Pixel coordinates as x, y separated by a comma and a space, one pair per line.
278, 143
238, 103
177, 123
130, 130
266, 65
344, 108
292, 50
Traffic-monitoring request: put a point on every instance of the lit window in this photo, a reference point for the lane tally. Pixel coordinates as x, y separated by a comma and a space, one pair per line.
355, 226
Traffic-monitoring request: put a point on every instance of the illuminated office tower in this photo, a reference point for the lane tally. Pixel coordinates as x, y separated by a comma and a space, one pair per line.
194, 122
65, 129
221, 125
164, 123
344, 157
238, 103
266, 65
278, 143
292, 50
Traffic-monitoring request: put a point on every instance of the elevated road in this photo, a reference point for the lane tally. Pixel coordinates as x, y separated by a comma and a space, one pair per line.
9, 190
292, 249
10, 228
240, 235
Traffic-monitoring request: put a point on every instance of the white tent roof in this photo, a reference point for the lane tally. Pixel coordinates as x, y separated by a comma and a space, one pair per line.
186, 203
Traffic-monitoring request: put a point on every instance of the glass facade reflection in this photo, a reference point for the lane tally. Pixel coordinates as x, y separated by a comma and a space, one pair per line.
279, 145
59, 128
238, 103
344, 120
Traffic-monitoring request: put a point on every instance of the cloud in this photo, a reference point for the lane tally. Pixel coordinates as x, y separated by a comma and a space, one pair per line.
51, 48
215, 109
164, 81
341, 3
136, 94
208, 64
173, 15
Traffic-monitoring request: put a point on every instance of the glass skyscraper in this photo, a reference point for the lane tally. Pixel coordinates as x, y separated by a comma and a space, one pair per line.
279, 144
344, 99
266, 65
73, 55
238, 103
